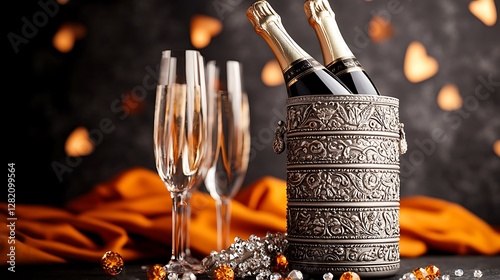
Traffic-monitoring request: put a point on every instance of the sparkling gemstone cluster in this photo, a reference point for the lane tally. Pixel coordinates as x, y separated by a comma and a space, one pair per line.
258, 257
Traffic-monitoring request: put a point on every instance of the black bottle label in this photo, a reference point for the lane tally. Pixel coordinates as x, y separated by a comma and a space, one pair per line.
344, 65
299, 69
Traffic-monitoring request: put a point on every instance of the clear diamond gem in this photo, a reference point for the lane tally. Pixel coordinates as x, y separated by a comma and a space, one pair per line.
172, 276
188, 276
459, 272
445, 277
409, 276
328, 276
478, 273
295, 275
275, 276
260, 276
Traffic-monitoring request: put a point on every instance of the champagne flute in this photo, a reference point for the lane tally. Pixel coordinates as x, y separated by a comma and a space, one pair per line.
188, 257
229, 147
179, 136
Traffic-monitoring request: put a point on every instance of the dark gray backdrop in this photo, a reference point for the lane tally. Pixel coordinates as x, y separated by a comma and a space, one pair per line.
49, 94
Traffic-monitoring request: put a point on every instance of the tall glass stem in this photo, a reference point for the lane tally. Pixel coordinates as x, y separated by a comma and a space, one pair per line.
187, 225
178, 219
223, 208
188, 258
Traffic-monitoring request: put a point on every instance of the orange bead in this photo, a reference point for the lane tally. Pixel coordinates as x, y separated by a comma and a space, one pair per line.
349, 275
224, 272
432, 271
420, 273
280, 264
156, 272
112, 263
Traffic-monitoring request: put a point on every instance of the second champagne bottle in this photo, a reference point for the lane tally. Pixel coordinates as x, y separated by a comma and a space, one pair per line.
303, 74
337, 56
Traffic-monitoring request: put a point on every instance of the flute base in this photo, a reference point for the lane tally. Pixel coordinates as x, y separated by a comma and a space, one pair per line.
194, 263
181, 267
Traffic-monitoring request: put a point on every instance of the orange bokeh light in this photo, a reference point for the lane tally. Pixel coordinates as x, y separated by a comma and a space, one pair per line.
271, 74
64, 40
418, 66
203, 28
79, 143
65, 37
496, 147
449, 98
133, 104
484, 10
380, 29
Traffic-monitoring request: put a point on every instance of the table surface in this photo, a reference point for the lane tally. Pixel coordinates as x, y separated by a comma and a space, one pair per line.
489, 265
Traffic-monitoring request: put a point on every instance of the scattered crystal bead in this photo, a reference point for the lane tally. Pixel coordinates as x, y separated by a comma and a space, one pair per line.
478, 273
420, 273
253, 238
459, 272
328, 276
260, 277
433, 272
275, 276
112, 263
349, 275
279, 264
172, 276
156, 272
188, 276
409, 276
445, 277
224, 272
295, 275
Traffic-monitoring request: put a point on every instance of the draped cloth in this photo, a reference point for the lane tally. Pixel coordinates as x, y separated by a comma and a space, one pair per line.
131, 214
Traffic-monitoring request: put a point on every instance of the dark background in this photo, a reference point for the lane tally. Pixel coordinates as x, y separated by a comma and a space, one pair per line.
48, 93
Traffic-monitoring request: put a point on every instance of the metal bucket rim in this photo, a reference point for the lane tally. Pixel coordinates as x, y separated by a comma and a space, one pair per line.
342, 98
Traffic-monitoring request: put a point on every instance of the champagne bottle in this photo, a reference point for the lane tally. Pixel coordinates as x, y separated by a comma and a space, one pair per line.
303, 74
337, 56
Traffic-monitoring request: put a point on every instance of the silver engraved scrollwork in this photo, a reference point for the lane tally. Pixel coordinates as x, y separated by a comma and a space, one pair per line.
343, 113
318, 258
343, 183
343, 223
342, 149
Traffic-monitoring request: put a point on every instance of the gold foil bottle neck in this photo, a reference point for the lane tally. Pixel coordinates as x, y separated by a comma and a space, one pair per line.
322, 18
317, 9
267, 23
260, 14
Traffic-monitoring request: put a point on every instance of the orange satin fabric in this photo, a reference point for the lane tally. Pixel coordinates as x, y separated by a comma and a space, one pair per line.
131, 214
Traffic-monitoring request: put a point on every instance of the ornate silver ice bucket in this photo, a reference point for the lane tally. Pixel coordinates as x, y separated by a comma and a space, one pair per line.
342, 183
